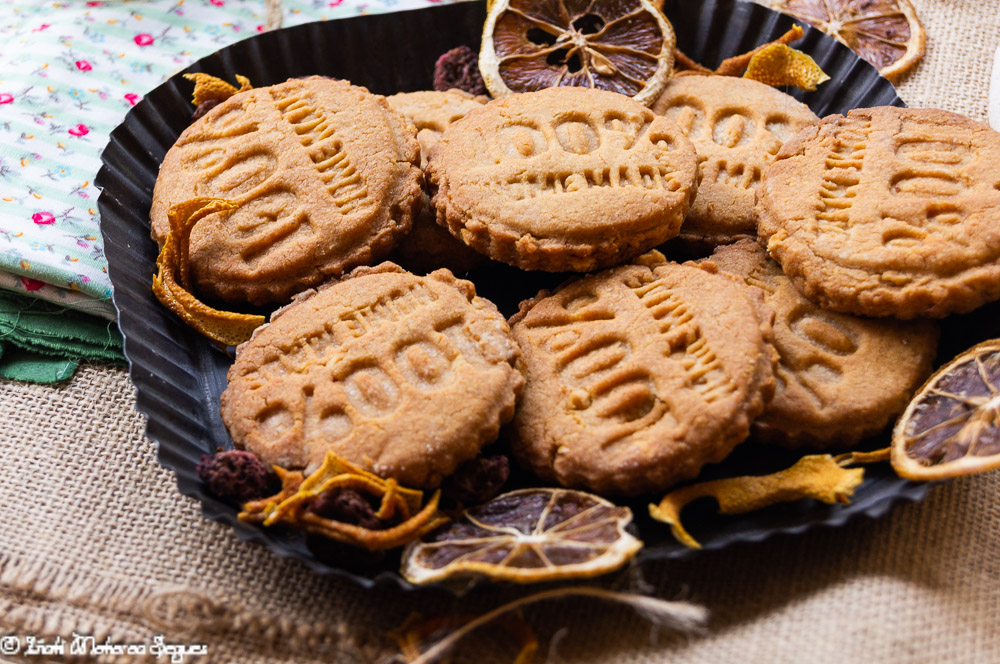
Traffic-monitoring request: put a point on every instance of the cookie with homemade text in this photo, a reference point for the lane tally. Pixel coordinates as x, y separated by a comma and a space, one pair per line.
324, 175
887, 212
406, 376
840, 378
428, 246
639, 375
737, 126
563, 179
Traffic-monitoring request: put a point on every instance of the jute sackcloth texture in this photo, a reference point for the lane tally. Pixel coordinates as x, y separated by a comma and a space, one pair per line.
95, 538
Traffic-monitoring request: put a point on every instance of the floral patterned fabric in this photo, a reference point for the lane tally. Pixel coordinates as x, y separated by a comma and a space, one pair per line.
69, 71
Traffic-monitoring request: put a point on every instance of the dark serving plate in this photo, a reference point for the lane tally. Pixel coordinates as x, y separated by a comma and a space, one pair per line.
179, 375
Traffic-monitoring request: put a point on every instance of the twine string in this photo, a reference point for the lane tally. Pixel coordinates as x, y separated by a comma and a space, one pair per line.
274, 14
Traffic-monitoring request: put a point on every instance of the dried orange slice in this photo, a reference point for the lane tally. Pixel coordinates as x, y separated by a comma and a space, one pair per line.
624, 46
886, 33
526, 536
952, 425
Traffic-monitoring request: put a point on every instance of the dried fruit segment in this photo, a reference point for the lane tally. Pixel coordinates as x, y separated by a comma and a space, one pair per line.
527, 536
952, 426
624, 46
886, 33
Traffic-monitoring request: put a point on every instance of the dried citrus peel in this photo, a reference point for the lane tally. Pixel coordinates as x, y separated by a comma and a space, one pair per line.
212, 88
289, 507
816, 476
172, 282
416, 634
779, 64
737, 65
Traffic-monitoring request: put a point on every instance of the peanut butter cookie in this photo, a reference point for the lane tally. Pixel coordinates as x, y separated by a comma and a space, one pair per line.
429, 246
404, 375
325, 175
639, 375
888, 212
840, 378
737, 126
563, 179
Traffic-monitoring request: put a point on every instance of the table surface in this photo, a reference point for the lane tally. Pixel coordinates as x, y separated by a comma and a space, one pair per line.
97, 540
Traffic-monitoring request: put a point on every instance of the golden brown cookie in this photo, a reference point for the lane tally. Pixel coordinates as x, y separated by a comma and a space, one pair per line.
737, 126
888, 212
406, 376
325, 176
639, 375
840, 378
432, 111
429, 246
563, 179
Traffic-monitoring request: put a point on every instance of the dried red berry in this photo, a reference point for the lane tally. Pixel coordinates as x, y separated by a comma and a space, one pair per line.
477, 480
459, 68
346, 506
204, 107
237, 475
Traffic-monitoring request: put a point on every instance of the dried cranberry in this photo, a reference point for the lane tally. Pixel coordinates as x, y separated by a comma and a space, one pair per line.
478, 480
204, 107
346, 506
237, 475
459, 68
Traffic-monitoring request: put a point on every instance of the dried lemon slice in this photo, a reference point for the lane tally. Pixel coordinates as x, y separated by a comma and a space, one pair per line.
886, 33
527, 536
952, 425
625, 46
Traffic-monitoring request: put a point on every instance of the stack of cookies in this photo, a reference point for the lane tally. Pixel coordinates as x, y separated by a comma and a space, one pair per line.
814, 241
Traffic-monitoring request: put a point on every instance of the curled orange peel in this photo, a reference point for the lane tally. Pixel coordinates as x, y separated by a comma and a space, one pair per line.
172, 281
779, 64
817, 476
212, 88
416, 633
290, 506
737, 65
851, 458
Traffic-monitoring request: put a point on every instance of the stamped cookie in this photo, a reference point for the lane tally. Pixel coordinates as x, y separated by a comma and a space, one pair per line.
639, 375
563, 179
737, 126
432, 111
888, 212
404, 375
840, 378
429, 246
325, 175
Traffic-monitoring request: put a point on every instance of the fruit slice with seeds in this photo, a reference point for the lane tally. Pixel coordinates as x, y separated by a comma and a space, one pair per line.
526, 536
625, 46
886, 33
952, 425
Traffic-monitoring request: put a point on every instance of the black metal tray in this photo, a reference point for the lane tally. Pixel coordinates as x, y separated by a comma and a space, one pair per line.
179, 375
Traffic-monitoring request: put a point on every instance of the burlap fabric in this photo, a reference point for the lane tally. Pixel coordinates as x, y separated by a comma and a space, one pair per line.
94, 537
